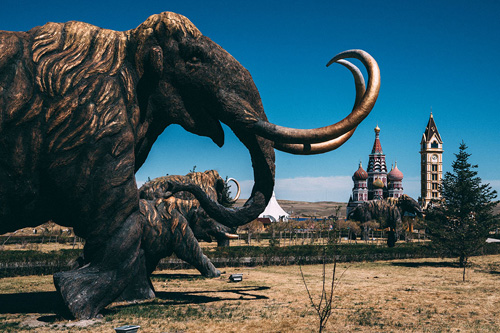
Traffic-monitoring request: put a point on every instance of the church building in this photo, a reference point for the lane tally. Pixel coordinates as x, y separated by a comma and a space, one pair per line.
431, 164
375, 183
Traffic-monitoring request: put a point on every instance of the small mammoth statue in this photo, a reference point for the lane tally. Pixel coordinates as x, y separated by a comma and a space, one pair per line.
173, 223
389, 210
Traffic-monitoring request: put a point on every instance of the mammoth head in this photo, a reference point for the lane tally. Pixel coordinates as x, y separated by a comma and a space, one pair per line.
410, 205
187, 79
203, 227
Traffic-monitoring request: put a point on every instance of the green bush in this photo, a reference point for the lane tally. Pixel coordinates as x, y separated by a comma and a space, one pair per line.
313, 254
20, 263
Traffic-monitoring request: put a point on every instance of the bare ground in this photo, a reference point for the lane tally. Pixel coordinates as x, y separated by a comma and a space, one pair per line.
425, 295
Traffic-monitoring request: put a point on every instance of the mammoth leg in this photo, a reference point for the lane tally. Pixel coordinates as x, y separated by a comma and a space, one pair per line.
187, 248
87, 290
96, 193
223, 242
141, 287
391, 238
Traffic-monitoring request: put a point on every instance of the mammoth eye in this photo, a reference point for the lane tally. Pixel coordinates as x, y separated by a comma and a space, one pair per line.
194, 60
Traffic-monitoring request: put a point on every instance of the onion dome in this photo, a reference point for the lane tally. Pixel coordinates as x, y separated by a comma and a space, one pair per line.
360, 174
395, 174
378, 183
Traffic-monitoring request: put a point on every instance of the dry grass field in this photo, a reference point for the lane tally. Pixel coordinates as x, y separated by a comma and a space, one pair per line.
425, 295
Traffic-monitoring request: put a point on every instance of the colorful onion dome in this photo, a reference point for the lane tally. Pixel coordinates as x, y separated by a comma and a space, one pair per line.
395, 174
378, 183
360, 174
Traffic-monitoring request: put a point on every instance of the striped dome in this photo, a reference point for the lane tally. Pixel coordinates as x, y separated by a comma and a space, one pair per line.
360, 174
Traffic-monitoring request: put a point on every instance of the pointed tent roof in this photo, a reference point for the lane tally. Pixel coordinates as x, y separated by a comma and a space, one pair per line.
431, 130
274, 211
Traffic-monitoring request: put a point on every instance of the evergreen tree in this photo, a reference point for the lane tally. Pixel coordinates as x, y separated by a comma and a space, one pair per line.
226, 199
461, 222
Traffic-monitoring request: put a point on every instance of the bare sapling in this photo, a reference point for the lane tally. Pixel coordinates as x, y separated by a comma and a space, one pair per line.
324, 307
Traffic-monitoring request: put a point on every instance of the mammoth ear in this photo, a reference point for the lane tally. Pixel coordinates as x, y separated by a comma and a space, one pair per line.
155, 60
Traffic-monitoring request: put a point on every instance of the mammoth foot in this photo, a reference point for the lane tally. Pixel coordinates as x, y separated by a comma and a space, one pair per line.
202, 264
391, 239
86, 291
212, 273
89, 289
139, 291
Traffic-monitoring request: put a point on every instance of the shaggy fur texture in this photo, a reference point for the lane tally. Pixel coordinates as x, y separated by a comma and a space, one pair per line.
75, 124
174, 222
388, 211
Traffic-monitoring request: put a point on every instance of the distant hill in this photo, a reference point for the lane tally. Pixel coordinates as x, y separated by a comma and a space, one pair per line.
308, 209
320, 208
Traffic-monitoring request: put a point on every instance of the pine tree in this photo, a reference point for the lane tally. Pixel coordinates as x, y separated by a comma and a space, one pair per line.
460, 224
226, 200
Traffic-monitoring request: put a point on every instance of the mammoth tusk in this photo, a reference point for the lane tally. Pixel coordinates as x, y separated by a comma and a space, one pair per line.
230, 236
323, 134
238, 192
314, 148
319, 148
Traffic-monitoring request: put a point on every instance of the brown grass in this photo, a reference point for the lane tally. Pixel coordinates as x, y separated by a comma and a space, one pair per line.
424, 295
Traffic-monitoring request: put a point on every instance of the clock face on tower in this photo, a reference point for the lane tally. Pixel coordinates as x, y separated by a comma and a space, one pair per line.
434, 158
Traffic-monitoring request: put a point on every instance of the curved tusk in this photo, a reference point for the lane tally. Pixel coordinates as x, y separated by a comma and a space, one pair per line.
230, 236
320, 135
314, 148
238, 192
319, 148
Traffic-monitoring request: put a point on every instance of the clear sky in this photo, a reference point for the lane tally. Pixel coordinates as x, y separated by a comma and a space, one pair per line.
439, 54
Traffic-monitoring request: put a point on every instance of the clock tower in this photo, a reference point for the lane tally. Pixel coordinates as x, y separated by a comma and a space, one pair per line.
431, 164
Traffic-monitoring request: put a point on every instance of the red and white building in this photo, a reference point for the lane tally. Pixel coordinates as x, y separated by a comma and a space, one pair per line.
375, 183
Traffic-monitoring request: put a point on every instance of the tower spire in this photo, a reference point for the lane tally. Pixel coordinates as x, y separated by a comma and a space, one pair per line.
377, 147
431, 130
431, 165
377, 168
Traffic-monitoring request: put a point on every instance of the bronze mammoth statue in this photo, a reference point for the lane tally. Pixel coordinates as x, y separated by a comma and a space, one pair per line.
173, 223
80, 108
210, 182
389, 211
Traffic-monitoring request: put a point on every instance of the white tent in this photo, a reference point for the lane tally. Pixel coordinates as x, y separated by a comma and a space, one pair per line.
492, 240
273, 211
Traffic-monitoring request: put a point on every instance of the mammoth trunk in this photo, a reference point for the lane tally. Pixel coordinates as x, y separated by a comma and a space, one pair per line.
262, 155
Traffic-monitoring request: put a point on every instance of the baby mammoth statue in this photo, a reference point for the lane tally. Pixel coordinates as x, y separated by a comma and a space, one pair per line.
173, 223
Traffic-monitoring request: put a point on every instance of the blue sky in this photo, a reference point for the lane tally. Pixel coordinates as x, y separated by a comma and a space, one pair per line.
439, 54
